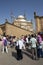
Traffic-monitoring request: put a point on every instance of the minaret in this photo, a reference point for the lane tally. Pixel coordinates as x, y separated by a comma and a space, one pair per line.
6, 20
34, 14
25, 15
12, 16
35, 21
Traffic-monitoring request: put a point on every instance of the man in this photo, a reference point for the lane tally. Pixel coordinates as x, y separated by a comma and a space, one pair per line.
19, 50
39, 49
33, 42
4, 41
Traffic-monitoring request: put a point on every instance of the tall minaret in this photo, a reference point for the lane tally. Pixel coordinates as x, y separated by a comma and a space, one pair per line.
12, 16
34, 14
24, 15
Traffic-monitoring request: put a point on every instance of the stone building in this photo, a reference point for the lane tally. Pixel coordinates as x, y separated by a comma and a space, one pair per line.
19, 27
39, 22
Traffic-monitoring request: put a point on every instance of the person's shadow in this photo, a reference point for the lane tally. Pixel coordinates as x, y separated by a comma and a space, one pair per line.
28, 53
14, 54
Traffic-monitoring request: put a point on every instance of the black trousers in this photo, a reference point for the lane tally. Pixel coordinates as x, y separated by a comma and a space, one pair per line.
39, 52
19, 54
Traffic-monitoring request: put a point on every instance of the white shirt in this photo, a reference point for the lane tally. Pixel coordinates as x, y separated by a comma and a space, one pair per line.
33, 41
21, 45
27, 40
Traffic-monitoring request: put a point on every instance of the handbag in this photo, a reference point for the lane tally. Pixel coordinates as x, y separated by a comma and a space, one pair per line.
17, 47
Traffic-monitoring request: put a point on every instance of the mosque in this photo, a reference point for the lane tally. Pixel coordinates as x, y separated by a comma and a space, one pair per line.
20, 26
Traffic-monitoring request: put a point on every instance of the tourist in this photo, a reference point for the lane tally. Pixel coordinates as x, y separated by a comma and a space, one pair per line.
19, 50
4, 42
39, 48
33, 42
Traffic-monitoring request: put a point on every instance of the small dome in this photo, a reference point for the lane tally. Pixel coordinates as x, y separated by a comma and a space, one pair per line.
21, 16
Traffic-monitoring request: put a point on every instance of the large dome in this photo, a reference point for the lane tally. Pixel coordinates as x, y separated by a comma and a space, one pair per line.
21, 16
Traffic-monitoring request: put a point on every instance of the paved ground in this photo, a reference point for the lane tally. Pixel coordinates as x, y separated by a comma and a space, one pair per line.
10, 58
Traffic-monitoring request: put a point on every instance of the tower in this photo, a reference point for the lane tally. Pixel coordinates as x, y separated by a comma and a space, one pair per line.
37, 22
12, 16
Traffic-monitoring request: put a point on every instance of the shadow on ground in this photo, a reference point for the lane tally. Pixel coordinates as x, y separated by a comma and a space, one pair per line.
14, 54
28, 53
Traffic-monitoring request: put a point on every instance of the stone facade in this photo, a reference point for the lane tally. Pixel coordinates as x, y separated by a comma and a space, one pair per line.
39, 22
16, 31
17, 28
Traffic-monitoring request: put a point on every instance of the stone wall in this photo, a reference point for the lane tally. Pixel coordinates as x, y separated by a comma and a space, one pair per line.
38, 25
1, 32
16, 31
38, 22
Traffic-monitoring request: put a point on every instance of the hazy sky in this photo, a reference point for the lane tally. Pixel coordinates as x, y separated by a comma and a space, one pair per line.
19, 7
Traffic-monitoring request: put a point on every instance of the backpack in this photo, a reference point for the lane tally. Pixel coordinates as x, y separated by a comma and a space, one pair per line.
17, 47
5, 42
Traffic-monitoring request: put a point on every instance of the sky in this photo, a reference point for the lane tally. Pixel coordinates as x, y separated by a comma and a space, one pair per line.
19, 7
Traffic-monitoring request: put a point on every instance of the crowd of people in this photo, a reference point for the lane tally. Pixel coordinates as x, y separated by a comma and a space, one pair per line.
34, 42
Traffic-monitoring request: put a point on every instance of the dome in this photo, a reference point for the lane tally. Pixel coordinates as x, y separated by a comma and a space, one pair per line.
21, 16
